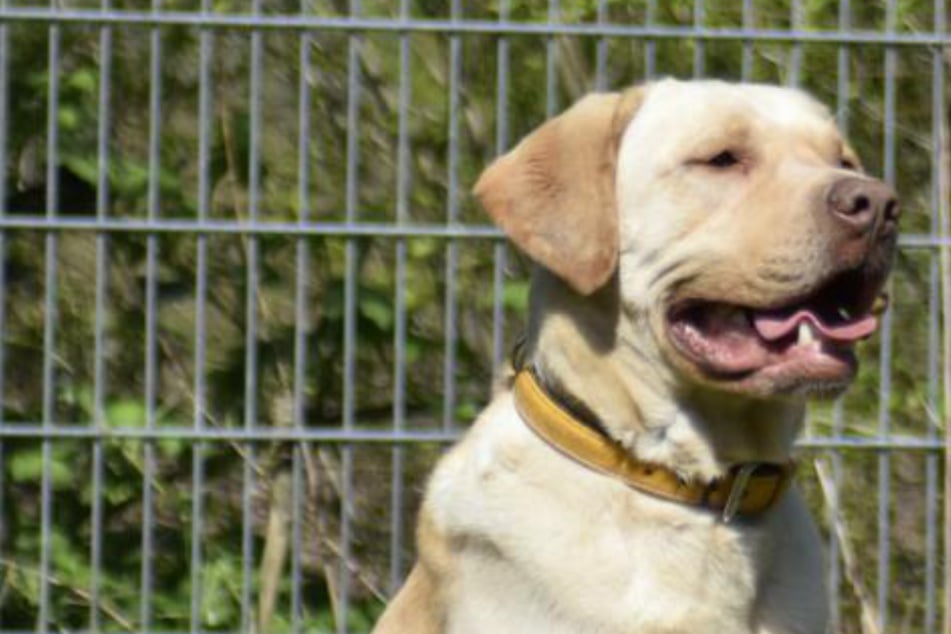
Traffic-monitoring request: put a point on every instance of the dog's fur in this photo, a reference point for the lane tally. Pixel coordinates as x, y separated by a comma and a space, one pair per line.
619, 202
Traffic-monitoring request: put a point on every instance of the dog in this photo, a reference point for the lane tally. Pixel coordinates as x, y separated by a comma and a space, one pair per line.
708, 255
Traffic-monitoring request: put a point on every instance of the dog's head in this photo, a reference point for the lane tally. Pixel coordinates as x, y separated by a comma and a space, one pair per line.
741, 233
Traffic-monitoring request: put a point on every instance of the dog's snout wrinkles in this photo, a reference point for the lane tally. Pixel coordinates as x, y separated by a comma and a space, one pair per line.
863, 204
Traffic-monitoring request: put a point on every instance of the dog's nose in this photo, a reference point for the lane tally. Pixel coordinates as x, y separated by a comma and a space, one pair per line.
862, 204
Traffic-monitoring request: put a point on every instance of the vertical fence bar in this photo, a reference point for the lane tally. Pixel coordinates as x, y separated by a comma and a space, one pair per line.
746, 68
452, 216
551, 63
942, 185
298, 515
885, 379
795, 54
934, 331
151, 317
838, 415
49, 322
699, 46
499, 253
601, 55
205, 53
251, 332
650, 46
835, 513
350, 309
932, 491
403, 185
102, 273
301, 322
4, 127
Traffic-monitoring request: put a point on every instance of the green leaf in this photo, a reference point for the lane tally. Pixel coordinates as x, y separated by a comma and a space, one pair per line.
515, 295
422, 248
83, 80
68, 118
27, 466
119, 491
125, 413
378, 310
172, 447
220, 585
466, 412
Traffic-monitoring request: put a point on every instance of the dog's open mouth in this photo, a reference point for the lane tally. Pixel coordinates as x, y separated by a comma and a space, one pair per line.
816, 332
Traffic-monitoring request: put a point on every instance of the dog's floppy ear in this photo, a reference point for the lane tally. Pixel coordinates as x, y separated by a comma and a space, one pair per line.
553, 194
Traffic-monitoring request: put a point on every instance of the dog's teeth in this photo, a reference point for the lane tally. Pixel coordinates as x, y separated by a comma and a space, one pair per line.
806, 335
844, 313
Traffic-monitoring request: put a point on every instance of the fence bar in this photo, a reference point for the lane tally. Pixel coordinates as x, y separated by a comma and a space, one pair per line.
795, 54
49, 324
601, 56
942, 188
650, 46
746, 65
302, 324
4, 142
499, 253
932, 491
151, 316
551, 63
354, 89
843, 93
252, 246
403, 187
934, 343
358, 25
452, 217
885, 337
357, 434
205, 55
699, 47
345, 229
102, 273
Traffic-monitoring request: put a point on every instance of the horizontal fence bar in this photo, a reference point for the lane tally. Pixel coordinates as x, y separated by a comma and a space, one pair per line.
173, 225
231, 434
327, 229
376, 436
151, 631
147, 19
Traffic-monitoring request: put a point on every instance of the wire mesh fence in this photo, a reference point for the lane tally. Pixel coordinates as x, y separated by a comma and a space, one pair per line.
247, 300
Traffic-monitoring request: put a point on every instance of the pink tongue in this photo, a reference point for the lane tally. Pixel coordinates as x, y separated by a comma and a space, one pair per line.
772, 326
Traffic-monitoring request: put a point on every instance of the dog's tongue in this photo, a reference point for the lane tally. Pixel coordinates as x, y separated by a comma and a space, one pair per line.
773, 326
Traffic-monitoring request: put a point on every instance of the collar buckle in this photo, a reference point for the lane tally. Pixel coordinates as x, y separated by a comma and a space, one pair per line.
740, 481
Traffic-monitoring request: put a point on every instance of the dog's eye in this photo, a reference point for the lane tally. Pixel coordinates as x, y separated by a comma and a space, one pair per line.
847, 164
726, 158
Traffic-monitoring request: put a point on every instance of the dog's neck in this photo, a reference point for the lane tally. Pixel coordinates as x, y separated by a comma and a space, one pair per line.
605, 358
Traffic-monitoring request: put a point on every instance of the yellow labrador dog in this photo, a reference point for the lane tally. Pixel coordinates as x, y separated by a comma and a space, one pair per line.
709, 254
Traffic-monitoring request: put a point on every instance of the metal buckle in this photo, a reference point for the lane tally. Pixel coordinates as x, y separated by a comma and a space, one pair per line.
740, 483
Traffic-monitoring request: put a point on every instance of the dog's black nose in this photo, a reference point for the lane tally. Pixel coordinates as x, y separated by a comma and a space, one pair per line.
863, 204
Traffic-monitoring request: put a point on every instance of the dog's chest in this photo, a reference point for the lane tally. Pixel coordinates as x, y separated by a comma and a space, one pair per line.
551, 547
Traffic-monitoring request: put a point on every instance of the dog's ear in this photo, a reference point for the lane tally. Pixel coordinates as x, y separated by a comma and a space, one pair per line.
553, 194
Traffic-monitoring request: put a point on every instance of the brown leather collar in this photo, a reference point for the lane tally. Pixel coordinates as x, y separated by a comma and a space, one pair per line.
746, 490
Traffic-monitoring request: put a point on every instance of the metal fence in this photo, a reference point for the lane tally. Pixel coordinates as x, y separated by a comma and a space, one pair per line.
246, 299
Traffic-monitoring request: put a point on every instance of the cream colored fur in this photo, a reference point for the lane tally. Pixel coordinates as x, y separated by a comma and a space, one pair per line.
514, 537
